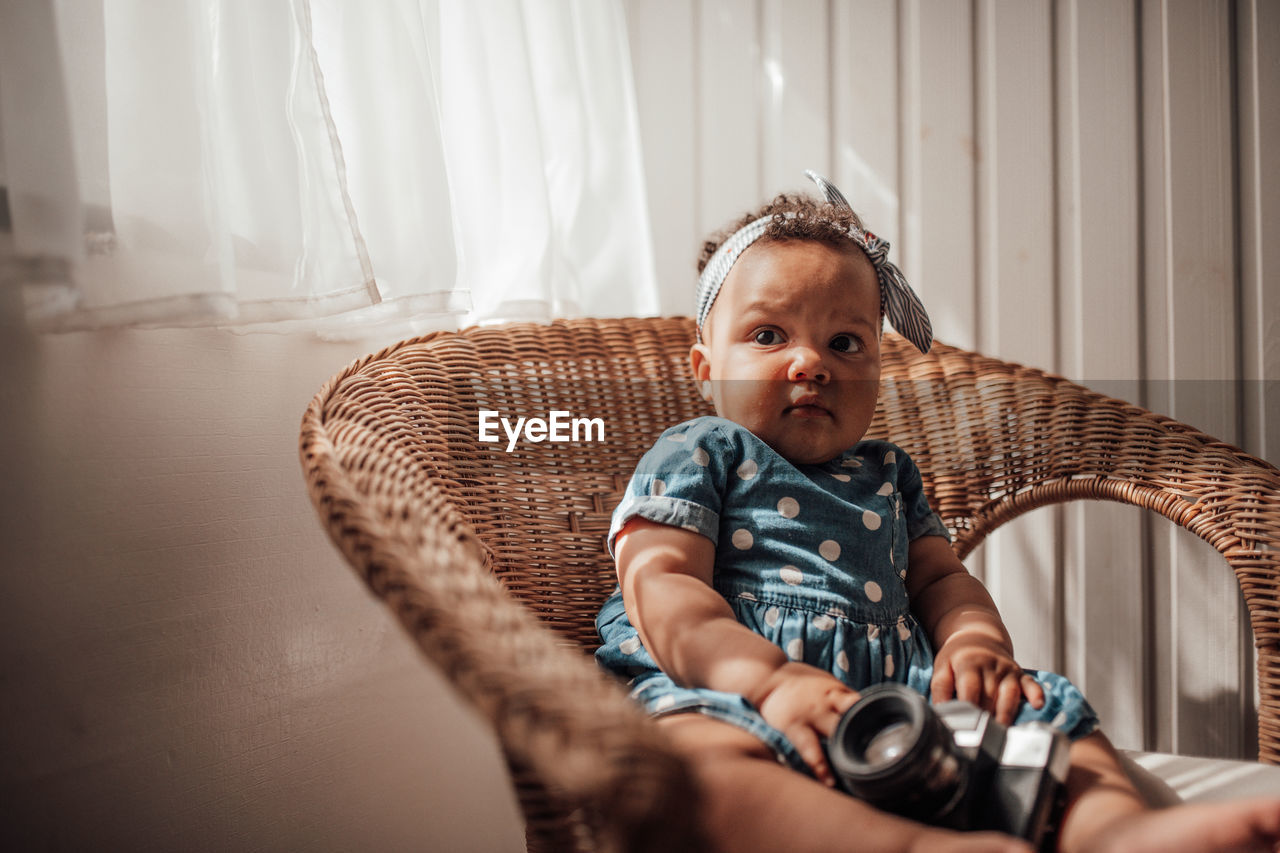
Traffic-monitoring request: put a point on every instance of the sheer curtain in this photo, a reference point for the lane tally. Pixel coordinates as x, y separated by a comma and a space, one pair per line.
348, 167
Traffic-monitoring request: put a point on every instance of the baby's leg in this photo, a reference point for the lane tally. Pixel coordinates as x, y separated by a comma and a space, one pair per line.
751, 802
1106, 813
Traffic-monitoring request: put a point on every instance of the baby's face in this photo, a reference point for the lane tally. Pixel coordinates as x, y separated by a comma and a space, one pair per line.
791, 349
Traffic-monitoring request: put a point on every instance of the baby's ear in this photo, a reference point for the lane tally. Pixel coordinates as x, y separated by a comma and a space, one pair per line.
700, 364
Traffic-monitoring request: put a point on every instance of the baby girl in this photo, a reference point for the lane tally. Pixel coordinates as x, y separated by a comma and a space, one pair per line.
773, 562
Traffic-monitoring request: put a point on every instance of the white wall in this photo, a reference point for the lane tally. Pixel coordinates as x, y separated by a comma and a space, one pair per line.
1086, 186
185, 661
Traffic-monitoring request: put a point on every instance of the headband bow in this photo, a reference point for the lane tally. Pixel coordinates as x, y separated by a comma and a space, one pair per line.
899, 303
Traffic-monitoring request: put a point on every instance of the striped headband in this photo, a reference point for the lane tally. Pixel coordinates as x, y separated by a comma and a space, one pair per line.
898, 302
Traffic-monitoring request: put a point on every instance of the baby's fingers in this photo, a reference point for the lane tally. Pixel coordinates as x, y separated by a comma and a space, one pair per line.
845, 701
1008, 698
943, 684
969, 685
824, 720
806, 742
1032, 690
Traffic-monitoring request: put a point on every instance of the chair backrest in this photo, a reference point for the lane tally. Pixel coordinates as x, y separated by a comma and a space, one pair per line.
539, 510
992, 439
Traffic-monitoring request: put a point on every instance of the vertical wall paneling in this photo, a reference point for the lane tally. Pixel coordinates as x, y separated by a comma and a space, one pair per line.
1017, 277
1016, 180
1162, 679
865, 116
1258, 26
668, 110
1099, 247
796, 90
1258, 31
1191, 350
730, 103
938, 162
938, 231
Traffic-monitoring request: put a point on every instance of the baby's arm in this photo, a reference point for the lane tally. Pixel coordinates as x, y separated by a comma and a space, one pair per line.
973, 658
692, 633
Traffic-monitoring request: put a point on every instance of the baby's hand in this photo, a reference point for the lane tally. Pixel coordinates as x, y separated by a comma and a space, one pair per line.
805, 703
980, 670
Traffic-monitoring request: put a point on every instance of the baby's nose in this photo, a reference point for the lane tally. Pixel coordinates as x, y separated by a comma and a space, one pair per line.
808, 366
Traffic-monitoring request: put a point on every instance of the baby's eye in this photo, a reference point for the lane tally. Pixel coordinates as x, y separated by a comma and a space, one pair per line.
767, 337
845, 343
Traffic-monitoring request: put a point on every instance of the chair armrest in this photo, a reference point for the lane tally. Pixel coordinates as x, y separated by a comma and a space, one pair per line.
1009, 439
589, 768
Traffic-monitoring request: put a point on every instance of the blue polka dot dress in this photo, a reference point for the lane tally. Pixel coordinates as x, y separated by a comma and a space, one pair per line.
812, 557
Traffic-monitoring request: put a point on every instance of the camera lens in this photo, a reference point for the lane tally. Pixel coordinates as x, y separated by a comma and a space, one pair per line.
891, 750
887, 744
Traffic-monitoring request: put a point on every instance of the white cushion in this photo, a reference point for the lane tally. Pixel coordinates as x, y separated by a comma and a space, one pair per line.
1167, 779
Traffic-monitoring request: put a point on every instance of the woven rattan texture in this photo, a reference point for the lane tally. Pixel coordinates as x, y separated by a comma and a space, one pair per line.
451, 532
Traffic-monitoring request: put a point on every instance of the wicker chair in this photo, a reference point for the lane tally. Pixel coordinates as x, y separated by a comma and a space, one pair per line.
494, 560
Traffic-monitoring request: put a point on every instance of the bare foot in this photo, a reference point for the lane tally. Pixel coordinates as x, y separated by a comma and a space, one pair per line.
1239, 826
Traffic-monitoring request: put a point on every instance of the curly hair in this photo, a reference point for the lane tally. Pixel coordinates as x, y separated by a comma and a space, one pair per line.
814, 221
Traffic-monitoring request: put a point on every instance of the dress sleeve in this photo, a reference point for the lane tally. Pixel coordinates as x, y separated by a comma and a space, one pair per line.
921, 519
679, 482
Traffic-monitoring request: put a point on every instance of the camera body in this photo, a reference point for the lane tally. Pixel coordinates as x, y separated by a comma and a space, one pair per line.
952, 765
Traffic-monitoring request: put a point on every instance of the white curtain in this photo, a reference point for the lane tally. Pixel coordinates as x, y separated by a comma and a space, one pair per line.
353, 167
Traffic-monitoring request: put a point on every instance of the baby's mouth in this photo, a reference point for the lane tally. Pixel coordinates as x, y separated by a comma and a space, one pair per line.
808, 406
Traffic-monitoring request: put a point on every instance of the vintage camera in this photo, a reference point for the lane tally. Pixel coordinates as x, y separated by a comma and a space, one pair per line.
952, 765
